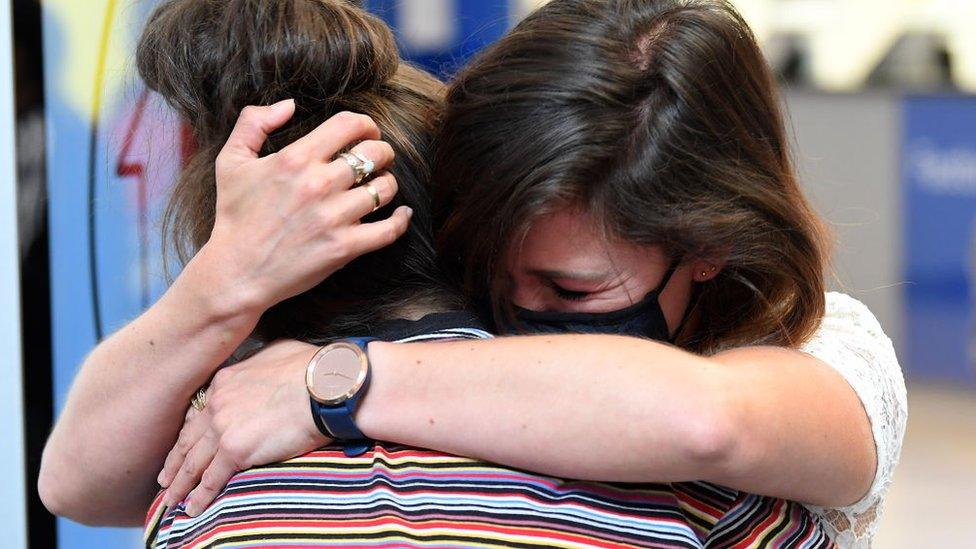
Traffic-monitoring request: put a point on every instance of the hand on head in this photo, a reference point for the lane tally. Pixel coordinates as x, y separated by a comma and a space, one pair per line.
286, 221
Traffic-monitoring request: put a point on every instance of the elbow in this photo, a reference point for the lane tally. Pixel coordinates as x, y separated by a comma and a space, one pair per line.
61, 500
57, 492
52, 493
68, 491
60, 492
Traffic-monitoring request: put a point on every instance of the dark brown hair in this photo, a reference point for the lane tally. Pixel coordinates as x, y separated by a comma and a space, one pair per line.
661, 118
211, 58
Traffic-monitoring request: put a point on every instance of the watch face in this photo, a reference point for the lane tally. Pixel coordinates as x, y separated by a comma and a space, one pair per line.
336, 373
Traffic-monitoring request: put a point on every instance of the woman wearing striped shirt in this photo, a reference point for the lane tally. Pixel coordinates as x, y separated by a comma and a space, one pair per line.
597, 184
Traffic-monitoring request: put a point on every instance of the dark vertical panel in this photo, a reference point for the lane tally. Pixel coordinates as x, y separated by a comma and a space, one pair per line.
35, 280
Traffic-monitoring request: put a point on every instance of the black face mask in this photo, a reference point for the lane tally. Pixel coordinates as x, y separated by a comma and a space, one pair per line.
643, 319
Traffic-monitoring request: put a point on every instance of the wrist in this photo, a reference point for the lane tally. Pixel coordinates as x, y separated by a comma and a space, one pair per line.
370, 417
223, 297
229, 295
337, 380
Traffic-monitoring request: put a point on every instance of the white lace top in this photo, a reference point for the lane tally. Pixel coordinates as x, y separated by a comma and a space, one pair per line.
851, 341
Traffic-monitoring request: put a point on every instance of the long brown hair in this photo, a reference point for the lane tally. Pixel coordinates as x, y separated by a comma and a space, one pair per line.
211, 58
661, 118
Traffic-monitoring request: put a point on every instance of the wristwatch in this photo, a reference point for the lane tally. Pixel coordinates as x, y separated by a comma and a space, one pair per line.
337, 377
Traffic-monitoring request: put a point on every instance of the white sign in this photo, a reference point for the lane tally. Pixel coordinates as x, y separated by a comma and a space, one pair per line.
943, 170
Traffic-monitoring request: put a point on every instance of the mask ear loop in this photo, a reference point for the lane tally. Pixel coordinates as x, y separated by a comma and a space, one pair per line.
690, 309
667, 276
684, 319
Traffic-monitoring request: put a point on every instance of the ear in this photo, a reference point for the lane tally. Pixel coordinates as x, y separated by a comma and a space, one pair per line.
703, 270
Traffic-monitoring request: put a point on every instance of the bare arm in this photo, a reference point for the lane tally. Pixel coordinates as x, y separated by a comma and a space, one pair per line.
764, 420
768, 421
284, 222
127, 403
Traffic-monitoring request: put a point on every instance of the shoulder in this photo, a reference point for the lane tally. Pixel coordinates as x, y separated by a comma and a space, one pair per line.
846, 314
851, 340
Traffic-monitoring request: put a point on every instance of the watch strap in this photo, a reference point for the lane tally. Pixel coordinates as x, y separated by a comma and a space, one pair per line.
317, 418
338, 419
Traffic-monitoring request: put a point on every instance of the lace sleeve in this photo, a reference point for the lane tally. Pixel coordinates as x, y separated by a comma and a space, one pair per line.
851, 341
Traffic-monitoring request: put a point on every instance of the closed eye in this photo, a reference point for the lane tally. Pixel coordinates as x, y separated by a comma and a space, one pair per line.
569, 295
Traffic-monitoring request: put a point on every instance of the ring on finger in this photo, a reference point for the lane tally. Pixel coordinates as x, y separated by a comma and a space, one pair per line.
361, 168
368, 165
374, 194
199, 400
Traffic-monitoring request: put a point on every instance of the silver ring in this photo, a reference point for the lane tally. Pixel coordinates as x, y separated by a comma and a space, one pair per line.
368, 165
361, 166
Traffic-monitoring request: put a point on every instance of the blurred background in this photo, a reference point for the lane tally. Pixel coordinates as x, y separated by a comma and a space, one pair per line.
879, 95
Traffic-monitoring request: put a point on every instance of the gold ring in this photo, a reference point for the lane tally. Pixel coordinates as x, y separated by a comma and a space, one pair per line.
375, 194
199, 400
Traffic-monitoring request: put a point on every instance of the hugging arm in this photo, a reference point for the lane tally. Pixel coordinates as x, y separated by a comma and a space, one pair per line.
764, 420
125, 406
769, 421
287, 221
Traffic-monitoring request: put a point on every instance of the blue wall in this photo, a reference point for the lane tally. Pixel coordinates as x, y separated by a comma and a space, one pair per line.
939, 190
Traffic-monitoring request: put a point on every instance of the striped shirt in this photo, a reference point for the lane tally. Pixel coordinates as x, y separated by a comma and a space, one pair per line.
397, 496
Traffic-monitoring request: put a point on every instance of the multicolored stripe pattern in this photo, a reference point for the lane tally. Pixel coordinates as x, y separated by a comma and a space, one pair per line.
757, 521
396, 496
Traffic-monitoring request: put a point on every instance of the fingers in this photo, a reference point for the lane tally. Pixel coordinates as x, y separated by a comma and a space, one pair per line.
380, 153
335, 134
253, 126
214, 479
356, 203
193, 428
188, 476
370, 237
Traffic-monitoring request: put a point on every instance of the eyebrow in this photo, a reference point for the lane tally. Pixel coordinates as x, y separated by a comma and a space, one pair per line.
589, 276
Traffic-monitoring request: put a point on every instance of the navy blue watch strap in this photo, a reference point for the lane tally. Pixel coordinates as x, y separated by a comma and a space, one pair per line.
317, 418
337, 420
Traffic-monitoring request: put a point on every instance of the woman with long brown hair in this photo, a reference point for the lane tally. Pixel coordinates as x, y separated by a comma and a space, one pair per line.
615, 167
321, 250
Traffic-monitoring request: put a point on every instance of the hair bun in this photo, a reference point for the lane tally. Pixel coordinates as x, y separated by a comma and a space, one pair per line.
211, 58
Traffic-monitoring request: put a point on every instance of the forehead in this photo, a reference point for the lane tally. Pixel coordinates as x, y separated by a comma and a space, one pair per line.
571, 240
563, 237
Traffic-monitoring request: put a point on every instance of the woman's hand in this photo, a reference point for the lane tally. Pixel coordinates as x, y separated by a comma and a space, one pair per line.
286, 221
257, 412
